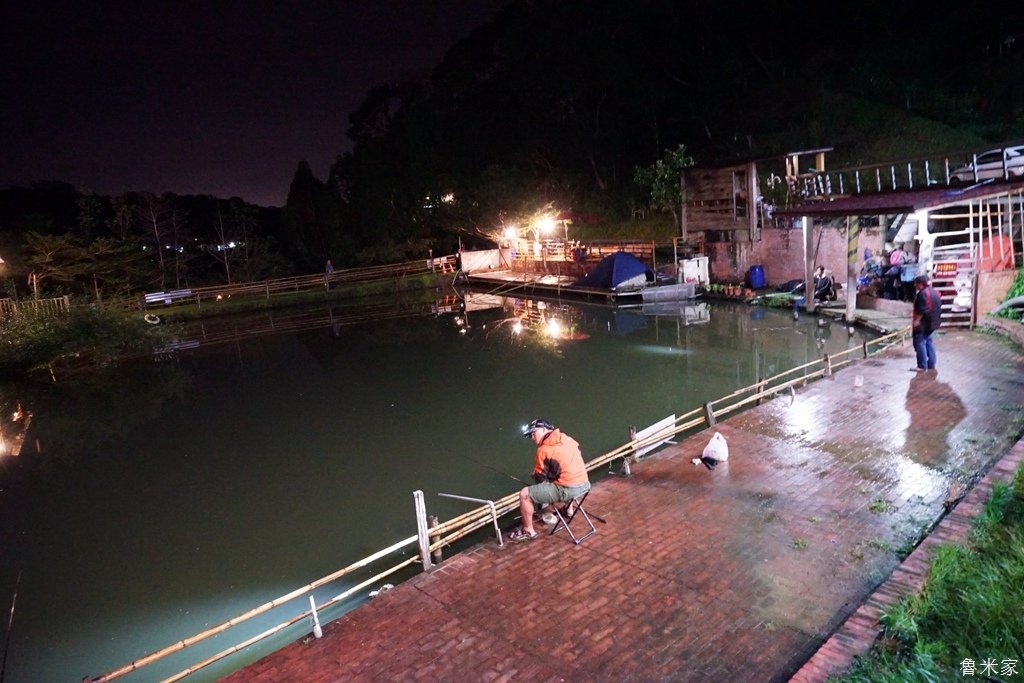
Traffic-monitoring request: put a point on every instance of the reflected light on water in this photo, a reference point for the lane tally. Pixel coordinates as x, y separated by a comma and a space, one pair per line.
657, 350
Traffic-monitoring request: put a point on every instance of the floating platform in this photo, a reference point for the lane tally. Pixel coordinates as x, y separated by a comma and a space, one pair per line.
507, 282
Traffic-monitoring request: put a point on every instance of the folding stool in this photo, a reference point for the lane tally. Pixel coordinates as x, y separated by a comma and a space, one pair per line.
565, 520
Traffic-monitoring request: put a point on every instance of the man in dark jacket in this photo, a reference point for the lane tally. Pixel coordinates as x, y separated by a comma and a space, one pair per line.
926, 319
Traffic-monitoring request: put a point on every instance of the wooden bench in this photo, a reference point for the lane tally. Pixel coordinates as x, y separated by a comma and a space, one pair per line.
167, 297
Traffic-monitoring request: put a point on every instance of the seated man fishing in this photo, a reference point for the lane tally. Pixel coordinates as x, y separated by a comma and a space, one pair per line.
558, 469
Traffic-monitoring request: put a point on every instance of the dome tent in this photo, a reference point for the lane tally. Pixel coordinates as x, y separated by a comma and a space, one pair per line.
618, 271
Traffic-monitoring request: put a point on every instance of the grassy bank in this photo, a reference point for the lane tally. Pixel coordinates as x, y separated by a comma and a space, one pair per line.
33, 341
968, 615
427, 284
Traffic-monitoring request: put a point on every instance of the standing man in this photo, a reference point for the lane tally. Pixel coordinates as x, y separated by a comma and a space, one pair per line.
926, 319
558, 469
329, 268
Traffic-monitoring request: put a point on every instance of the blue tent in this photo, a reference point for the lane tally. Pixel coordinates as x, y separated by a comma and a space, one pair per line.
618, 271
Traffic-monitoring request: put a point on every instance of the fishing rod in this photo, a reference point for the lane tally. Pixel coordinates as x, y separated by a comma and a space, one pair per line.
493, 469
10, 622
502, 472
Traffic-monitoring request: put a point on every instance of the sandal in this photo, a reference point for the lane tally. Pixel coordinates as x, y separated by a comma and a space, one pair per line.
521, 535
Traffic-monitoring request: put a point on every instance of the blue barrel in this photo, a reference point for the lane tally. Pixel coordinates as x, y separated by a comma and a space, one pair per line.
757, 277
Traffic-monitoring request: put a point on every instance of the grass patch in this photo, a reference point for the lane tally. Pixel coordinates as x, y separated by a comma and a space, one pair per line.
880, 506
881, 544
967, 614
34, 341
800, 543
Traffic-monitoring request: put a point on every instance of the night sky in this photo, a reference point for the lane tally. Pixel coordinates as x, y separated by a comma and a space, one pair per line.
220, 98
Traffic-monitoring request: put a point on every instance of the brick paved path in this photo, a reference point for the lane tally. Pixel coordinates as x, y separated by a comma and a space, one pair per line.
737, 574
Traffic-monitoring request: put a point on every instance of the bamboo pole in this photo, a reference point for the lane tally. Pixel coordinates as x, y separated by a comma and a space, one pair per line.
256, 611
279, 627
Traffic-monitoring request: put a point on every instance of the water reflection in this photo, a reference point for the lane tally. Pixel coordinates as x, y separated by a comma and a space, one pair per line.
935, 409
270, 450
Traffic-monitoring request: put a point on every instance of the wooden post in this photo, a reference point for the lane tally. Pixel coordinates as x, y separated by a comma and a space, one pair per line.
627, 458
828, 366
317, 631
436, 555
421, 530
852, 255
808, 230
709, 414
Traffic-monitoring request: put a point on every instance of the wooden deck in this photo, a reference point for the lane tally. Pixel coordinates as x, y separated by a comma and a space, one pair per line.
510, 283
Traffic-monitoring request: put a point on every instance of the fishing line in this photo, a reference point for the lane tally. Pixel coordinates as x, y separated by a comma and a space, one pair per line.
493, 469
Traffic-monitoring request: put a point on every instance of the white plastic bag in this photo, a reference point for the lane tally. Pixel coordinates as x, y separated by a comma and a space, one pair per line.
717, 449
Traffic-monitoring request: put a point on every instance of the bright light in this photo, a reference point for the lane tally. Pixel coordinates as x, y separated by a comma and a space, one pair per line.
448, 198
554, 328
545, 224
511, 232
517, 328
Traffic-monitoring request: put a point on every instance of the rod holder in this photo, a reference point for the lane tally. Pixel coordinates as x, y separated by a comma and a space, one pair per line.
489, 503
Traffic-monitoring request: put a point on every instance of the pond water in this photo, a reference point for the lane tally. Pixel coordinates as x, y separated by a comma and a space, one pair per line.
158, 498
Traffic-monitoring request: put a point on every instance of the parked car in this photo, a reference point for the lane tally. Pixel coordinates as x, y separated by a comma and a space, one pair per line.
990, 165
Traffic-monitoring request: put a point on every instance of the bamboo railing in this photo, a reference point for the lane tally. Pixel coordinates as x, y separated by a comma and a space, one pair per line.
446, 533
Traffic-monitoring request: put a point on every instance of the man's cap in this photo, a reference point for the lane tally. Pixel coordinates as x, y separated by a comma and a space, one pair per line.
539, 423
923, 279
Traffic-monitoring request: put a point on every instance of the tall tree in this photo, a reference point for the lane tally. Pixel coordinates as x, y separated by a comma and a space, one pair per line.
663, 182
153, 220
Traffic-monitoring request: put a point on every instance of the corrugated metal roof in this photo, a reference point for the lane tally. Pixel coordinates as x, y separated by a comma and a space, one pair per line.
901, 201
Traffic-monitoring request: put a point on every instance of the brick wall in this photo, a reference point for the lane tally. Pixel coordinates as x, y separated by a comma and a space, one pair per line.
992, 289
781, 252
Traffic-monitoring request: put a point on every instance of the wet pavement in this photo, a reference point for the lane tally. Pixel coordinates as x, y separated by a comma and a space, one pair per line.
740, 573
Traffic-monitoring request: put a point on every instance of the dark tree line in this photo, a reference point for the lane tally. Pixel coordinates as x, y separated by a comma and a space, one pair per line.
557, 103
80, 243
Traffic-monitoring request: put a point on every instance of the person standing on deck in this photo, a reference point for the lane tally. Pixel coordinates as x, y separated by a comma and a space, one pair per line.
558, 469
926, 319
